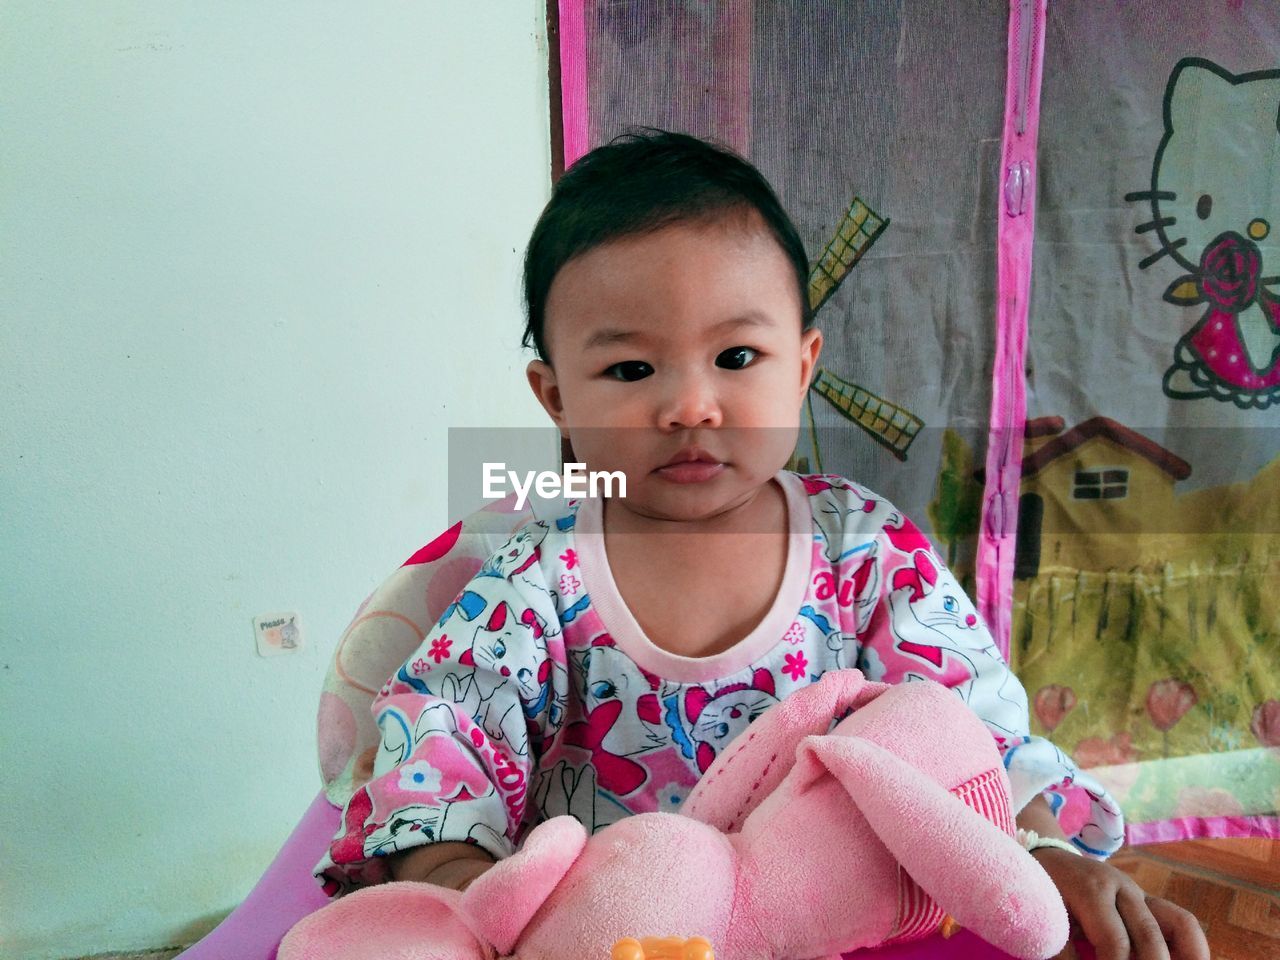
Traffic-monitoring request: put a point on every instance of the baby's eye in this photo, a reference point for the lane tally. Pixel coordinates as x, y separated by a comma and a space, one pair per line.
603, 689
735, 358
629, 370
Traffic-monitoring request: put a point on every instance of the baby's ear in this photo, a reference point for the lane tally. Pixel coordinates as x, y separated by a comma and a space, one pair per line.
542, 380
810, 350
763, 754
503, 899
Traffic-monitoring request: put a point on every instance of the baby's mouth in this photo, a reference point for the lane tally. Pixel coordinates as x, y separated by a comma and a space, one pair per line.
691, 465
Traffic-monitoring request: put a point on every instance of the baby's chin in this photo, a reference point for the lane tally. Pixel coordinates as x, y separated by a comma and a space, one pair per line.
692, 503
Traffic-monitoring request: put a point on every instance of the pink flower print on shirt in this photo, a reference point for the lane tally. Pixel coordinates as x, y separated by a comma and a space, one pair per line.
569, 584
420, 667
570, 558
795, 665
439, 649
795, 633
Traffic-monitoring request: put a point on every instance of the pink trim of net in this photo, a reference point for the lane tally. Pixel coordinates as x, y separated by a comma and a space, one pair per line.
573, 79
1015, 237
1200, 828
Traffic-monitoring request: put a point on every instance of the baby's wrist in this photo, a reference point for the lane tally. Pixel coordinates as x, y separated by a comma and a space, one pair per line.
1033, 842
458, 874
422, 863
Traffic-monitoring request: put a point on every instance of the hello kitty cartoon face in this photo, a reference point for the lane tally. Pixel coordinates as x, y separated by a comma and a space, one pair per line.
718, 717
1215, 209
1212, 171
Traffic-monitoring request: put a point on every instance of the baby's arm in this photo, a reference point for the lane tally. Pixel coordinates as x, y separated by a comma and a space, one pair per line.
1115, 915
462, 722
447, 864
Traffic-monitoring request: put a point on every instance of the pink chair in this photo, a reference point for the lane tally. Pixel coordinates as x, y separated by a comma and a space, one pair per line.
387, 627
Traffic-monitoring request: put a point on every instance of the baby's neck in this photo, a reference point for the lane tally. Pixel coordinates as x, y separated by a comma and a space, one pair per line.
763, 510
699, 594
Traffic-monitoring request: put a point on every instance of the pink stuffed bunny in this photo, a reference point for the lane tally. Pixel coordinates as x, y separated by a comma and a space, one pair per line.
797, 843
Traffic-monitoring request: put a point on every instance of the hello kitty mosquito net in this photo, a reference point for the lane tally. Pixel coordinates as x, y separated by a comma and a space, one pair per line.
1047, 269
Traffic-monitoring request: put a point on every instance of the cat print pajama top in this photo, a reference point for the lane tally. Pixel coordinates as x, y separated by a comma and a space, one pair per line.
537, 693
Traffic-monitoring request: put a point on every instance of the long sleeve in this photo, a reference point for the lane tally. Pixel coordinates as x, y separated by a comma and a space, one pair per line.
462, 721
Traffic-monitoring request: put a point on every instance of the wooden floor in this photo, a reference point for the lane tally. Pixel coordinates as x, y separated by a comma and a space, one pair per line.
1232, 886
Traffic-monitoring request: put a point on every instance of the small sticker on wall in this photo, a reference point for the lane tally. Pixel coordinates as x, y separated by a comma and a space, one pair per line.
277, 633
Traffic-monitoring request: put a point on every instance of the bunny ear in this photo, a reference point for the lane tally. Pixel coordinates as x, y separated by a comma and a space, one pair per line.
502, 900
964, 862
384, 921
762, 755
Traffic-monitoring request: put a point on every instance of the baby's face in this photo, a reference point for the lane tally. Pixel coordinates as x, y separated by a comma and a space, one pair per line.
677, 358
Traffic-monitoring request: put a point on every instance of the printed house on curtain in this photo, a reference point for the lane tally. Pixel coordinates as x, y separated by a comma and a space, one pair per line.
1099, 477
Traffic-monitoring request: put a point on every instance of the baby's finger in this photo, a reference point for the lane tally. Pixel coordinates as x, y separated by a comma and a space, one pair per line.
1181, 930
1102, 926
1145, 937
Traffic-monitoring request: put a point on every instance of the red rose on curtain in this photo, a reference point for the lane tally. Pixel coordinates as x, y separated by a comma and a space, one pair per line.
1052, 704
1229, 272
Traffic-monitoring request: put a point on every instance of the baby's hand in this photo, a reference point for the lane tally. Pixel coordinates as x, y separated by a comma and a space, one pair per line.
1116, 915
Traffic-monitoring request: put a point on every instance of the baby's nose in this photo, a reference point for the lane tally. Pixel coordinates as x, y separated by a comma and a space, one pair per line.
691, 403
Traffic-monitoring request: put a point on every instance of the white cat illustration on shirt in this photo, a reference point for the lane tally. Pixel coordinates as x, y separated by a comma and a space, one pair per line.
507, 650
932, 619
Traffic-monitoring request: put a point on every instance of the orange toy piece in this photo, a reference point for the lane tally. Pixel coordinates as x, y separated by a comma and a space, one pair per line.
662, 948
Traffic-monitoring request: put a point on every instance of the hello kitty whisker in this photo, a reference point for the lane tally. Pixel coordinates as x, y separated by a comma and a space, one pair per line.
1150, 195
1153, 224
1162, 252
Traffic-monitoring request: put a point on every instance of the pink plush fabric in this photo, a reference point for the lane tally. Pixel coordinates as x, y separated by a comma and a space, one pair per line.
798, 843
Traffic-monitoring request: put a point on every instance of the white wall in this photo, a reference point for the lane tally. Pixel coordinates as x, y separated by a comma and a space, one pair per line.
254, 259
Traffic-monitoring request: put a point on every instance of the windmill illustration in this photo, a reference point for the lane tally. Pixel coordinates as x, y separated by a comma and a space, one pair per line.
887, 423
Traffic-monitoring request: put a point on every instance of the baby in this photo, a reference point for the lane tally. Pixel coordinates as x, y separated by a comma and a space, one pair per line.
601, 660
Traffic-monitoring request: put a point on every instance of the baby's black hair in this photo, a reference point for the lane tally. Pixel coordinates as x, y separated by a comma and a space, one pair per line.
639, 182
